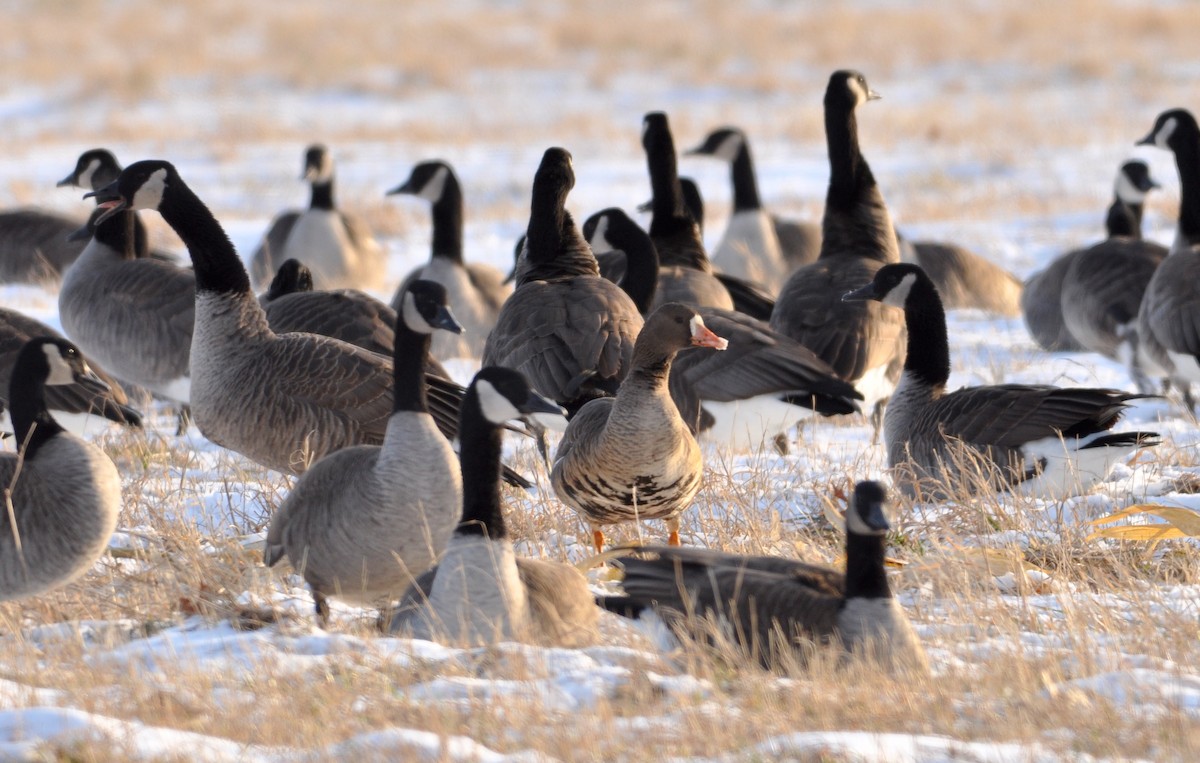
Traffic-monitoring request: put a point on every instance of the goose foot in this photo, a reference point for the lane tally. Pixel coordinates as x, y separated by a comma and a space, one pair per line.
598, 539
782, 446
184, 420
673, 532
321, 604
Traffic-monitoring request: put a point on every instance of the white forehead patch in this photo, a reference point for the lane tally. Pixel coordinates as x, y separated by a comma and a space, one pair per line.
729, 148
85, 177
1165, 132
60, 370
496, 407
432, 191
599, 240
1126, 191
899, 293
412, 316
150, 193
697, 325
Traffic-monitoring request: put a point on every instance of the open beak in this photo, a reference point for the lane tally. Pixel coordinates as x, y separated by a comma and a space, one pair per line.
110, 208
702, 336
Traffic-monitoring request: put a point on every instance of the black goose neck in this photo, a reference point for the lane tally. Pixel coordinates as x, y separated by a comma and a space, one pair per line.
928, 343
215, 260
322, 195
866, 576
672, 228
745, 183
481, 445
1187, 159
448, 221
1124, 219
409, 392
33, 425
124, 234
641, 264
849, 173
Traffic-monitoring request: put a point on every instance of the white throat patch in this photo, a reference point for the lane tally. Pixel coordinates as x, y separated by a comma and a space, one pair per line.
599, 240
1163, 136
432, 190
496, 407
150, 193
412, 316
60, 370
899, 293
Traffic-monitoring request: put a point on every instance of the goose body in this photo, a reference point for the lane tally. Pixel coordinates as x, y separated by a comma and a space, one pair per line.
336, 245
80, 408
566, 329
965, 279
1169, 315
481, 592
33, 246
66, 493
364, 521
863, 343
632, 457
476, 291
1033, 439
751, 601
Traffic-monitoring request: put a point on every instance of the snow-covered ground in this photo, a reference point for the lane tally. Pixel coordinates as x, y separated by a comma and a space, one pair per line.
150, 657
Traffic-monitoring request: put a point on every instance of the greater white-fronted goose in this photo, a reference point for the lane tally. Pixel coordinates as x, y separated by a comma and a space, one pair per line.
282, 400
363, 522
65, 492
569, 331
761, 387
79, 407
965, 280
1103, 287
776, 610
481, 592
477, 291
1041, 300
752, 246
1034, 439
336, 245
632, 457
1169, 316
862, 342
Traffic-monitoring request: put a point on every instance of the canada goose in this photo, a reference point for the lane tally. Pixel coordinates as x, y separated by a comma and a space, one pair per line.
1103, 286
752, 246
480, 592
278, 399
1169, 316
776, 610
476, 290
1041, 299
760, 388
685, 274
362, 522
862, 342
33, 246
79, 408
336, 245
963, 278
66, 493
632, 457
132, 315
569, 331
1035, 439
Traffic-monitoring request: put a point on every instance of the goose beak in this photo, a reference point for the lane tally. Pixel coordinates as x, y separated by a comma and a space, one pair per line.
446, 321
83, 234
702, 336
405, 187
646, 206
512, 274
109, 199
68, 180
92, 383
110, 208
543, 412
872, 95
875, 518
861, 295
1146, 141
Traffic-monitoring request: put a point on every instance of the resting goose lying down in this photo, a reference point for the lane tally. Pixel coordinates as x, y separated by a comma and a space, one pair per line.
1034, 439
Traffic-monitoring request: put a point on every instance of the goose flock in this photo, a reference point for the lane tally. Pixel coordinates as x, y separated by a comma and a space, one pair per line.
632, 342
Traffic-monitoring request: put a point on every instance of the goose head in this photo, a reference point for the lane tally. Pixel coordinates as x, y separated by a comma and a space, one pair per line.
1171, 129
674, 327
427, 181
1134, 182
426, 308
866, 515
723, 143
94, 169
848, 89
318, 165
293, 276
57, 362
141, 185
504, 394
891, 285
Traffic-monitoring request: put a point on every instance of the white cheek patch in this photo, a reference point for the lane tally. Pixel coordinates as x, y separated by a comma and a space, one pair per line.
899, 293
150, 193
860, 95
599, 240
85, 177
729, 148
60, 370
496, 407
1127, 192
412, 316
432, 191
1163, 136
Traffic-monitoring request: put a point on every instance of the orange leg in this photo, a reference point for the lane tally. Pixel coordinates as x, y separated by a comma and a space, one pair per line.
598, 539
673, 530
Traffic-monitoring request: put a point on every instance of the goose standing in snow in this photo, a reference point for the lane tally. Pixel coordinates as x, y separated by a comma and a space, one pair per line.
66, 493
364, 521
632, 457
755, 600
336, 245
476, 291
1034, 439
481, 592
863, 343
